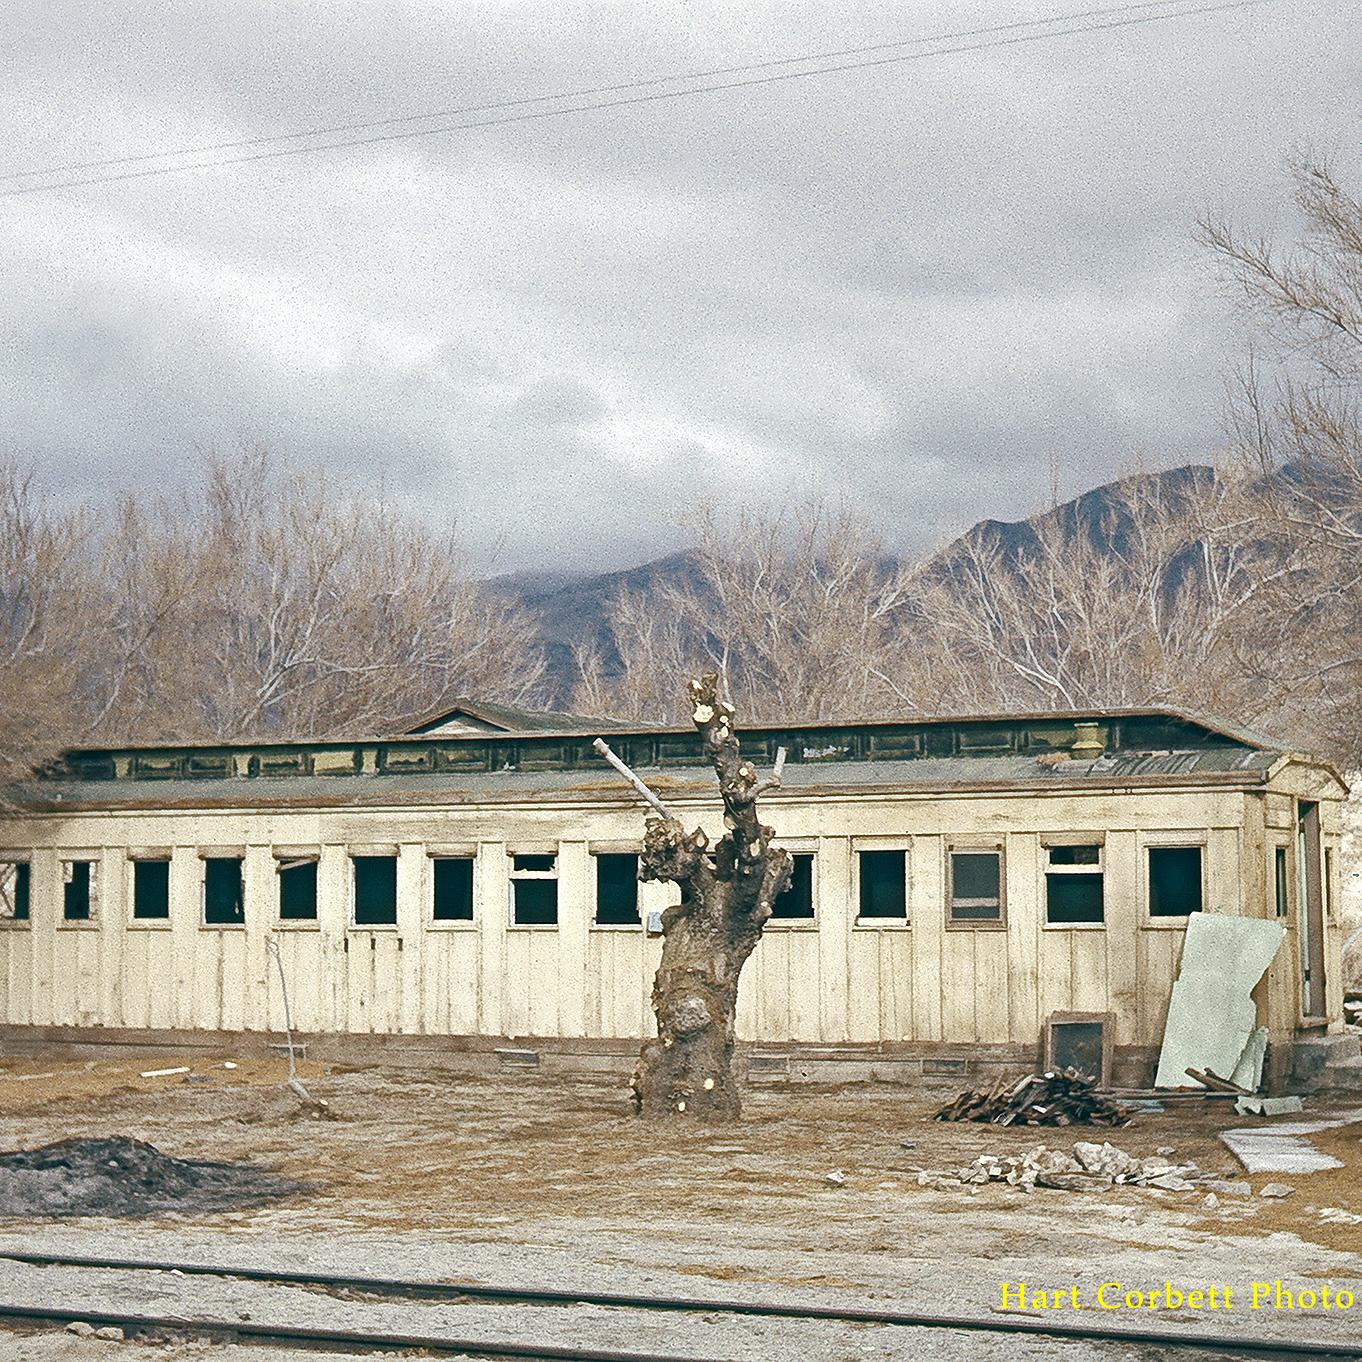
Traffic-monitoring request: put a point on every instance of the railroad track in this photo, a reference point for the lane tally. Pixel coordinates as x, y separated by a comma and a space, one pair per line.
467, 1292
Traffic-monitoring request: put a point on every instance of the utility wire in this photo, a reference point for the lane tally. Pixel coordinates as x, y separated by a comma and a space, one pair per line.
589, 91
657, 96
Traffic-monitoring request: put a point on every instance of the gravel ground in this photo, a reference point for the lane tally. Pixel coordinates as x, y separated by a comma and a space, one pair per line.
523, 1179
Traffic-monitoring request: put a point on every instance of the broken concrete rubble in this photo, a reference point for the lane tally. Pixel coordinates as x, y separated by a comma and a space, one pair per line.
1089, 1166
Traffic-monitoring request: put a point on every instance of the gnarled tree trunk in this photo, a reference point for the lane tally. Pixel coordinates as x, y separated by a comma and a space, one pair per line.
726, 897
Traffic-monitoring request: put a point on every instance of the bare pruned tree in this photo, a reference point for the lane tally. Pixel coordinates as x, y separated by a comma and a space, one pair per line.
727, 893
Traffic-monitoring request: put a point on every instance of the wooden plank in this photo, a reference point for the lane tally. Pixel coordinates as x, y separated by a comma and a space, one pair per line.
927, 904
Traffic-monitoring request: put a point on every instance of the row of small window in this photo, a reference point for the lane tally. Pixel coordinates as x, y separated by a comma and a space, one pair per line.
975, 895
1075, 884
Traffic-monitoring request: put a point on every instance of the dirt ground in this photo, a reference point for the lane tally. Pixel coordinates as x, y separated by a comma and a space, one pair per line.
527, 1178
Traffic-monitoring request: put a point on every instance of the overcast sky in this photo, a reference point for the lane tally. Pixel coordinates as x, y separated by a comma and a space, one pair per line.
914, 285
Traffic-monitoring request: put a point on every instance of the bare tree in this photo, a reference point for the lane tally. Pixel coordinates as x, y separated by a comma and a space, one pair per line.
727, 893
1152, 601
266, 604
287, 606
798, 614
1300, 425
45, 579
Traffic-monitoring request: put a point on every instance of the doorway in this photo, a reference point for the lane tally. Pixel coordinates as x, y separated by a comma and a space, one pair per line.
1310, 901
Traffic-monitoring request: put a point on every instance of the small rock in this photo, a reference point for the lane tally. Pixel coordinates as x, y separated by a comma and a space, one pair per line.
1166, 1150
1210, 1201
81, 1329
1276, 1189
110, 1331
907, 1144
836, 1177
1336, 1215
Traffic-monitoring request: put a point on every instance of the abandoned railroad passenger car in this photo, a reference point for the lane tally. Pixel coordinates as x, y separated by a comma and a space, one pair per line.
468, 888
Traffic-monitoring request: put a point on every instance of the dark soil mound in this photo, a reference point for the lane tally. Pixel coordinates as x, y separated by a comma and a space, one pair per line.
123, 1177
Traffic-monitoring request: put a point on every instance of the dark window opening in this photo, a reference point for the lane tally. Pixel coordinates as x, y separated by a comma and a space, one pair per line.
151, 889
536, 903
797, 900
1174, 881
375, 891
1073, 898
224, 901
16, 878
884, 884
1089, 854
617, 890
1074, 884
297, 890
976, 886
79, 890
453, 891
1280, 881
534, 890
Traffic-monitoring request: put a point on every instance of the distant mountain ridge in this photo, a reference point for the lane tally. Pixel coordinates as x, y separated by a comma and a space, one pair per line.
574, 607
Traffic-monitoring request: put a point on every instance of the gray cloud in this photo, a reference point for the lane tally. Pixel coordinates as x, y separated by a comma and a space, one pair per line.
913, 287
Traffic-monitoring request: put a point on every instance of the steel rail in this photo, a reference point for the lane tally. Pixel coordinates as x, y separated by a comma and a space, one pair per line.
408, 1288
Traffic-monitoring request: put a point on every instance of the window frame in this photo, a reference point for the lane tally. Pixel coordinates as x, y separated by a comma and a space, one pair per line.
451, 924
92, 858
381, 853
287, 858
207, 855
150, 924
859, 847
596, 851
807, 847
1154, 841
22, 863
514, 877
996, 846
1048, 843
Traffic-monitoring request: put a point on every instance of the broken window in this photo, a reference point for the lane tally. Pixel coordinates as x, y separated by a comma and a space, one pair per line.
797, 900
224, 898
1074, 883
297, 888
975, 886
534, 890
16, 878
452, 894
79, 890
151, 888
883, 891
1174, 881
375, 890
617, 889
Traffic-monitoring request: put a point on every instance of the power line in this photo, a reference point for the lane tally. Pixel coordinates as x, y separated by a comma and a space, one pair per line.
655, 97
591, 91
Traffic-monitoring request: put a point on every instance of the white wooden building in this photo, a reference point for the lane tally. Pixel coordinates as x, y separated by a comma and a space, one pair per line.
469, 888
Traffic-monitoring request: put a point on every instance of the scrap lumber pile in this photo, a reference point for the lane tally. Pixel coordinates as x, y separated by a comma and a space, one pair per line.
1064, 1097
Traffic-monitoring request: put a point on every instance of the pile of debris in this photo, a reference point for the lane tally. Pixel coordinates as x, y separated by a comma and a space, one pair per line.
123, 1177
1089, 1166
1062, 1098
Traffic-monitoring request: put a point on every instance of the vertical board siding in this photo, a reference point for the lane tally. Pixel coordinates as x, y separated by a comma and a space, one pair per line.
829, 981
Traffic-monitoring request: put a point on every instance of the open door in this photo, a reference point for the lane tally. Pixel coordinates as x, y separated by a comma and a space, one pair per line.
1311, 910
